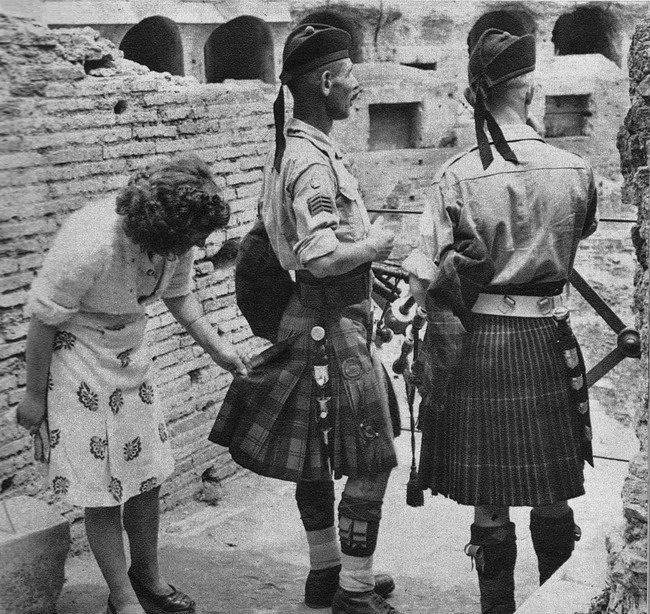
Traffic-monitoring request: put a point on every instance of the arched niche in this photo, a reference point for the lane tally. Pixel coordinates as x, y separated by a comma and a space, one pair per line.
588, 29
240, 49
514, 20
338, 19
156, 43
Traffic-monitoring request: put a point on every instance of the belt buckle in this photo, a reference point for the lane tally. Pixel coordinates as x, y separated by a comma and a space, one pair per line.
507, 305
546, 304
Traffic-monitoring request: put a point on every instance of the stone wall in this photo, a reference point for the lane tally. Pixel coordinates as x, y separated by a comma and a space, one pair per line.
75, 120
628, 568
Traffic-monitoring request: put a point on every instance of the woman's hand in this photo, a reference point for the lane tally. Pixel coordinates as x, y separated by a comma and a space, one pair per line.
31, 411
227, 357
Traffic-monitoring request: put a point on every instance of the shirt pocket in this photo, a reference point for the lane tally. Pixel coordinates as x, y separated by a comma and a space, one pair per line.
354, 222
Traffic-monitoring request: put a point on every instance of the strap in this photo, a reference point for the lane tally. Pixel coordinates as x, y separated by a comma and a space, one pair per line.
278, 118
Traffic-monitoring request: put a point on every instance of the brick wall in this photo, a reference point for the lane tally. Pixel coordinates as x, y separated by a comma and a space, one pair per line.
75, 121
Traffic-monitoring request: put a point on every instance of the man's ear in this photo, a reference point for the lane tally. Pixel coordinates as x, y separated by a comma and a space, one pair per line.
530, 92
326, 82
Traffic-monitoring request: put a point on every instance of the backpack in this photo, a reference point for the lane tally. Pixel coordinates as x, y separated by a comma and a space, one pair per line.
262, 287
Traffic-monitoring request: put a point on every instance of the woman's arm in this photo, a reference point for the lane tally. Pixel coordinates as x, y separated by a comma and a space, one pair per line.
38, 354
189, 313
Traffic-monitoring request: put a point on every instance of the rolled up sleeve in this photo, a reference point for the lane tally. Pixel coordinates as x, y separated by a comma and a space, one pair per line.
317, 218
181, 282
69, 271
436, 232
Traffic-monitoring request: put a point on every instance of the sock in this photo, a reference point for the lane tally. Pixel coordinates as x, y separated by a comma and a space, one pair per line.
356, 573
323, 548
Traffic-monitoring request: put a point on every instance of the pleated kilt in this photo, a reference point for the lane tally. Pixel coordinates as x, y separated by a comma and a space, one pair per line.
268, 420
507, 435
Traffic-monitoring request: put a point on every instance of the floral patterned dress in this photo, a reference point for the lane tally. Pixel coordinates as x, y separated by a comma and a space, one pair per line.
108, 438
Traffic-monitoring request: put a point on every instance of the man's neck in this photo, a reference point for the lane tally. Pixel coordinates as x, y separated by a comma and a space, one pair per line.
318, 118
509, 115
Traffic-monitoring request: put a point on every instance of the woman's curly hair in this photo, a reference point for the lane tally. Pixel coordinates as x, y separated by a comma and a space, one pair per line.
167, 203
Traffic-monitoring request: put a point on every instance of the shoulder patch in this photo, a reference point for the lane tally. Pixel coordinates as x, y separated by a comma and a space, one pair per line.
320, 203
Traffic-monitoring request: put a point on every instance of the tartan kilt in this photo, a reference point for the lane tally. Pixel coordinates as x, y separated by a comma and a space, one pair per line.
268, 420
508, 434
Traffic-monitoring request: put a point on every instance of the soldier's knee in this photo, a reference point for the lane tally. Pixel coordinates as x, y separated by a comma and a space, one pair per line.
358, 525
316, 504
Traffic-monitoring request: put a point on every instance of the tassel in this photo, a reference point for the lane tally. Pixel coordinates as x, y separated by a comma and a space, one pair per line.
414, 493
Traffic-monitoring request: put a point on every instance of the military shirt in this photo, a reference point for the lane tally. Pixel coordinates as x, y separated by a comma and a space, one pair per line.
531, 215
313, 203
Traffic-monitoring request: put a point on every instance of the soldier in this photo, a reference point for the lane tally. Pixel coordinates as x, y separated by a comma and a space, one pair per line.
498, 241
320, 405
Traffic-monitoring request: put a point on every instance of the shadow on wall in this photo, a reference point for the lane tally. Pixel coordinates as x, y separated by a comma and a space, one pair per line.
156, 43
240, 49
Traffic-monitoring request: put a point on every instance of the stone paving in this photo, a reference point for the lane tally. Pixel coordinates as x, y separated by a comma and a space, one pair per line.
247, 554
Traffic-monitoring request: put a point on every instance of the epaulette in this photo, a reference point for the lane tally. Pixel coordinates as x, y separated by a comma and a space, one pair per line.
447, 163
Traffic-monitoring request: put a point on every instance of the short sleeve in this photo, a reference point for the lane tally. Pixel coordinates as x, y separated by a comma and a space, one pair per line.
591, 221
436, 233
71, 268
180, 283
317, 218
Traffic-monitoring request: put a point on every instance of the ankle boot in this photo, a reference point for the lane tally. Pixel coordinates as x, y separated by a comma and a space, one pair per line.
494, 551
553, 540
369, 602
322, 584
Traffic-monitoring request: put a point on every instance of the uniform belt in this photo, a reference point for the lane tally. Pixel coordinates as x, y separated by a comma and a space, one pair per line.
516, 305
336, 293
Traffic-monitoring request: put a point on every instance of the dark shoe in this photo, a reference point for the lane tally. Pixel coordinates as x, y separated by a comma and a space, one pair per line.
322, 584
346, 602
176, 601
554, 540
494, 552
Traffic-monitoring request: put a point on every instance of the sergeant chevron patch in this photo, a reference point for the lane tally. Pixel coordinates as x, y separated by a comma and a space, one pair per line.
320, 203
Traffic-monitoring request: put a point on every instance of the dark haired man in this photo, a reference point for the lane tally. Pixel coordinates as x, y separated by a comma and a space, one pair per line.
308, 426
500, 236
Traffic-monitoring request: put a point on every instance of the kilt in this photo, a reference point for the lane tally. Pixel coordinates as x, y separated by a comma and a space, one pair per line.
268, 420
507, 434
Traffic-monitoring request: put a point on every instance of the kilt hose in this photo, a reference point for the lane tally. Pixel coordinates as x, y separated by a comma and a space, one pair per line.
268, 419
507, 435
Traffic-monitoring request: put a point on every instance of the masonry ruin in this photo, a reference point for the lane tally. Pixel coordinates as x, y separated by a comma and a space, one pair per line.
82, 108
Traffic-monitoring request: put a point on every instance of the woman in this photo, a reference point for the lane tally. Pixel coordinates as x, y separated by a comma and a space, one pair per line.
88, 365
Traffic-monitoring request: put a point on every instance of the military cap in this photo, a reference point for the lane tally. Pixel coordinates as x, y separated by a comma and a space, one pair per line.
496, 58
312, 45
309, 46
498, 20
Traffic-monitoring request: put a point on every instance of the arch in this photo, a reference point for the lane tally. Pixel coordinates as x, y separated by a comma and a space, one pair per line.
240, 49
514, 20
156, 43
338, 19
588, 29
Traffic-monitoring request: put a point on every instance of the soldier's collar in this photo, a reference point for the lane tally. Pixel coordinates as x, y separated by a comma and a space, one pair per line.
296, 127
518, 132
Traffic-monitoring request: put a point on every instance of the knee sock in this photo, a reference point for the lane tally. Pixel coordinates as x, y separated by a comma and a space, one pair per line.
553, 539
494, 550
358, 530
316, 506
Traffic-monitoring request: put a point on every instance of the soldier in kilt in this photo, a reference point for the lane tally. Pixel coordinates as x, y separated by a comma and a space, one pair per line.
502, 430
317, 402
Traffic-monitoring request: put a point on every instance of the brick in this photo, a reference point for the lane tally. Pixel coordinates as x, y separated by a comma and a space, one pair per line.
179, 112
164, 98
242, 178
11, 230
129, 149
65, 105
19, 203
20, 160
13, 282
75, 154
246, 190
159, 130
100, 183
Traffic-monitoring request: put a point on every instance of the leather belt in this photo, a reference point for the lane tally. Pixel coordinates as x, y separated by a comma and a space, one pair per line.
336, 293
516, 305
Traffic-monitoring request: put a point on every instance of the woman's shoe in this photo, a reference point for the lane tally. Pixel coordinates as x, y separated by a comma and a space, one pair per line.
176, 601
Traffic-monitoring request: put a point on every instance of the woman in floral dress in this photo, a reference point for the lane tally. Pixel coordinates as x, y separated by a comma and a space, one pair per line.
88, 363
